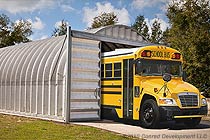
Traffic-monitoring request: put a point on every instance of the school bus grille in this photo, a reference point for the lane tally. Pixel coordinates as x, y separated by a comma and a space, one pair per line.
188, 99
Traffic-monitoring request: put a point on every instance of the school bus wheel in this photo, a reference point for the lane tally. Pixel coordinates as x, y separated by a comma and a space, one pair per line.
192, 122
149, 114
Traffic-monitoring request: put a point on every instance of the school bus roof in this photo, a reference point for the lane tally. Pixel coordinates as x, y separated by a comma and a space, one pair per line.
154, 51
117, 52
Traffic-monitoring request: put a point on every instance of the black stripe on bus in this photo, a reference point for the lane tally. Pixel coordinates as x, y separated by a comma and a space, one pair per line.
110, 92
111, 106
117, 55
111, 86
111, 79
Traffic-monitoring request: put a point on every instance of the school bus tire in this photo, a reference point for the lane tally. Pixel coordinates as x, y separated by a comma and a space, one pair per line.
149, 114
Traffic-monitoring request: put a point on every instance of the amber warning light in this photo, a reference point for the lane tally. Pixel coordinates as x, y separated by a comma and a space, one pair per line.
176, 56
146, 53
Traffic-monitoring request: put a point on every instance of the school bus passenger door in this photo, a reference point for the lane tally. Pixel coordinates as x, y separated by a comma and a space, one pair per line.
128, 88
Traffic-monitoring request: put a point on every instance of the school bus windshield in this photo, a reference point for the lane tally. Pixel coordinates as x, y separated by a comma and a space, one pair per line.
159, 67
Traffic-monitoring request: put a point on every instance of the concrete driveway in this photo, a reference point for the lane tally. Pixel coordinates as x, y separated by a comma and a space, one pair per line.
167, 131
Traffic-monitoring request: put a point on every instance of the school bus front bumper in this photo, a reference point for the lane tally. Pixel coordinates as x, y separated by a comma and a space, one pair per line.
174, 112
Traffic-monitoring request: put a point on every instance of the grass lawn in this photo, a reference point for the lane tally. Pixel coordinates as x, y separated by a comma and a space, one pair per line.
21, 128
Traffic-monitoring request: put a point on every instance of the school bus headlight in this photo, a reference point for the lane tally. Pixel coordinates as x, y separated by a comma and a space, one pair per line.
167, 101
203, 102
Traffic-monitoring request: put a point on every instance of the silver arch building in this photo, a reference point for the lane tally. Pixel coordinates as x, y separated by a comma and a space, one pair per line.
59, 78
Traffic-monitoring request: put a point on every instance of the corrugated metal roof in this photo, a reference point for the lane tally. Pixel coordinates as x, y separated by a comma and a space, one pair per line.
118, 31
28, 57
27, 71
95, 30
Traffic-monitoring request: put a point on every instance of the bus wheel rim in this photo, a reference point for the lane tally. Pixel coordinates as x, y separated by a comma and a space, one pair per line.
148, 113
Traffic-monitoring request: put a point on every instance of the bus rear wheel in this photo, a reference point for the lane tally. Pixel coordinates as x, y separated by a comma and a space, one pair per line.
192, 122
149, 114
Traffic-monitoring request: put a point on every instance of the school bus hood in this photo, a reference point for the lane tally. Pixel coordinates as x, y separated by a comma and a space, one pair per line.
174, 86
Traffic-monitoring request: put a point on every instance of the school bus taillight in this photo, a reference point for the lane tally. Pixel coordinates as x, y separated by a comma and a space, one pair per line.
146, 53
176, 56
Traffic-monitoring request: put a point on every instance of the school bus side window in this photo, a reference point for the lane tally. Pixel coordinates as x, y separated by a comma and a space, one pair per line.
102, 70
108, 68
117, 69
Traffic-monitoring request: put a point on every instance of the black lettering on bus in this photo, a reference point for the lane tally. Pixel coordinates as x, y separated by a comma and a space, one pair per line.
153, 53
166, 54
160, 54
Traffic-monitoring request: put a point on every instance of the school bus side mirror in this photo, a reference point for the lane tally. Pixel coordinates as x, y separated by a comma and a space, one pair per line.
184, 76
139, 67
167, 77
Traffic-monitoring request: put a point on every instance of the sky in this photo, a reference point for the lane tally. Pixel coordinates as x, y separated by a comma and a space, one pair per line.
46, 15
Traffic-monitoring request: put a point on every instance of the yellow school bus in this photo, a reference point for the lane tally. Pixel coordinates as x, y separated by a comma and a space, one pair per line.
147, 84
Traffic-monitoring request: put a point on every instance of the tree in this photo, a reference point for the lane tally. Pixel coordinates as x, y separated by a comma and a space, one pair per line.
190, 34
165, 37
157, 33
104, 19
61, 29
12, 33
141, 27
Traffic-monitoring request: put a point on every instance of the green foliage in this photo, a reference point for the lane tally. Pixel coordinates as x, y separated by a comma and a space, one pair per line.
141, 27
104, 19
157, 33
164, 39
61, 29
156, 36
190, 34
12, 33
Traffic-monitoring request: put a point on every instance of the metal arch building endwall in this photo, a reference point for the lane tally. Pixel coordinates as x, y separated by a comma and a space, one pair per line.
26, 87
33, 79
